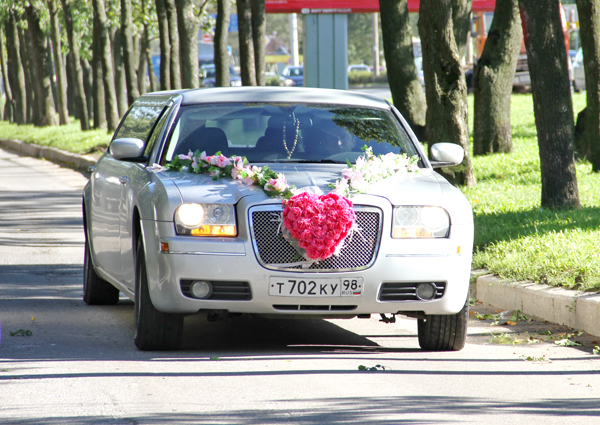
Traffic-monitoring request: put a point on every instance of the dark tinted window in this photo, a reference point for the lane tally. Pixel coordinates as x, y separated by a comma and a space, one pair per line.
140, 120
287, 133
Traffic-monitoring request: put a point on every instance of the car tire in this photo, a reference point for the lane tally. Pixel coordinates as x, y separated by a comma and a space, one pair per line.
96, 291
444, 332
154, 330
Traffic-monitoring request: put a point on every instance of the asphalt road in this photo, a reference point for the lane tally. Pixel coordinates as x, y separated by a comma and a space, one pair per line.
62, 362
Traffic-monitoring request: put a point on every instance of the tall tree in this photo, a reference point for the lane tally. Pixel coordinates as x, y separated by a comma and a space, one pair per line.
445, 86
77, 83
552, 105
221, 54
589, 23
248, 70
461, 17
59, 67
147, 54
98, 96
128, 51
16, 73
7, 114
46, 113
407, 92
116, 42
259, 35
189, 26
165, 45
174, 40
108, 78
492, 81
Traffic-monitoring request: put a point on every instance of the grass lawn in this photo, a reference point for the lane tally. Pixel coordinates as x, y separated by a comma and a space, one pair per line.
514, 237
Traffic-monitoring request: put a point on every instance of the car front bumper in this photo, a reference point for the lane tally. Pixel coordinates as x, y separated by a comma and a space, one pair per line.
188, 258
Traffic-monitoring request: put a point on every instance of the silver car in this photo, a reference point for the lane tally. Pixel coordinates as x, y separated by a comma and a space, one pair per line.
276, 201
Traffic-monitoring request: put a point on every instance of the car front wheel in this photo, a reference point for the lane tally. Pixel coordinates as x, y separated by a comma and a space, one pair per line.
154, 330
96, 291
444, 332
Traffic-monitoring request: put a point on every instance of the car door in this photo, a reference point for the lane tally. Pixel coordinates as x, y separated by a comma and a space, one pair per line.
112, 195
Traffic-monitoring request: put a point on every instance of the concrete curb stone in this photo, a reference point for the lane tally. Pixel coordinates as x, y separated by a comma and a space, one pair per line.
575, 309
77, 162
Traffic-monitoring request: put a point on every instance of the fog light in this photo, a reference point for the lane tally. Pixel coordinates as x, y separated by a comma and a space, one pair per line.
201, 289
426, 291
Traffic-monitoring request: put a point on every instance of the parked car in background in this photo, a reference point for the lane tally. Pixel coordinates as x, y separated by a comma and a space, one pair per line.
187, 214
292, 76
359, 68
578, 72
208, 76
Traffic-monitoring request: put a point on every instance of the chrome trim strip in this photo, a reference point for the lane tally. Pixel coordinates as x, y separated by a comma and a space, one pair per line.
223, 254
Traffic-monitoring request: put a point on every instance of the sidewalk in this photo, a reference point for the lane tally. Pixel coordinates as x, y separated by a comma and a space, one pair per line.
578, 310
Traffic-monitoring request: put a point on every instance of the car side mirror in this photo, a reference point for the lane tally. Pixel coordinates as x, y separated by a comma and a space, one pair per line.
446, 155
128, 149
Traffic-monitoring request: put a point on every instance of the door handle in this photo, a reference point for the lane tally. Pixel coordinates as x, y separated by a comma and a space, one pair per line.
123, 180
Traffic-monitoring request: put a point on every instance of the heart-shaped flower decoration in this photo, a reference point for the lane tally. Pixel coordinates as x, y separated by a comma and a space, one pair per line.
319, 223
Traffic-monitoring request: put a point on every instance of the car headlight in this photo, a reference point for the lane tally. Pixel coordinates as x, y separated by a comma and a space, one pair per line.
420, 222
216, 220
289, 82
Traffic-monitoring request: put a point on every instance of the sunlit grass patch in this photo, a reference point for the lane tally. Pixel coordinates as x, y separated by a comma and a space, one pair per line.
66, 137
514, 237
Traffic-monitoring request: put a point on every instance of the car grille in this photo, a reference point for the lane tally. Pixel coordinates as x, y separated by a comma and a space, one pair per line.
302, 307
275, 253
222, 290
406, 291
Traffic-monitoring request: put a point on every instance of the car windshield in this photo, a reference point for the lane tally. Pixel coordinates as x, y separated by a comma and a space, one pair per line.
286, 132
295, 72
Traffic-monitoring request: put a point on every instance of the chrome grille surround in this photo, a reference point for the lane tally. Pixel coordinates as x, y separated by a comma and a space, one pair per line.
407, 291
274, 253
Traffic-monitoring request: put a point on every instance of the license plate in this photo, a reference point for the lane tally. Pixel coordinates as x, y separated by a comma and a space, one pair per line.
322, 287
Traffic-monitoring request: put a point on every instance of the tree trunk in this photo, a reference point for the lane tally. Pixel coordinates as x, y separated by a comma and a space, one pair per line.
116, 41
259, 35
165, 45
461, 17
7, 114
43, 86
128, 51
445, 86
189, 26
88, 86
16, 73
77, 83
28, 69
492, 81
407, 92
552, 105
589, 22
248, 72
221, 54
174, 40
59, 67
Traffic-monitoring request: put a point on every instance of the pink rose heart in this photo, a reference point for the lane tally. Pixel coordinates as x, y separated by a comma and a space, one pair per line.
319, 223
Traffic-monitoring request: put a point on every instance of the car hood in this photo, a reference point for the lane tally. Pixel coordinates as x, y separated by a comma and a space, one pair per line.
421, 188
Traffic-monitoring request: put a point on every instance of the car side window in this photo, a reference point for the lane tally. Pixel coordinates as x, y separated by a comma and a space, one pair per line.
140, 120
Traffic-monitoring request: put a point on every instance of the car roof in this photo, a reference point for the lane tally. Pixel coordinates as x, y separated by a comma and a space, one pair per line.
259, 94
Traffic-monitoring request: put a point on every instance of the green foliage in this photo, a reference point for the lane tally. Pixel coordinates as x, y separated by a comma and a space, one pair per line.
359, 78
66, 137
514, 237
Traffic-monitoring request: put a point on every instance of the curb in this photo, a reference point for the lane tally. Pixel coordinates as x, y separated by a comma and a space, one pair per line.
575, 309
77, 162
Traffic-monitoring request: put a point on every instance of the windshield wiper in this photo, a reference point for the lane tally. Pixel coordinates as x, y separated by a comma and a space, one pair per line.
320, 161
